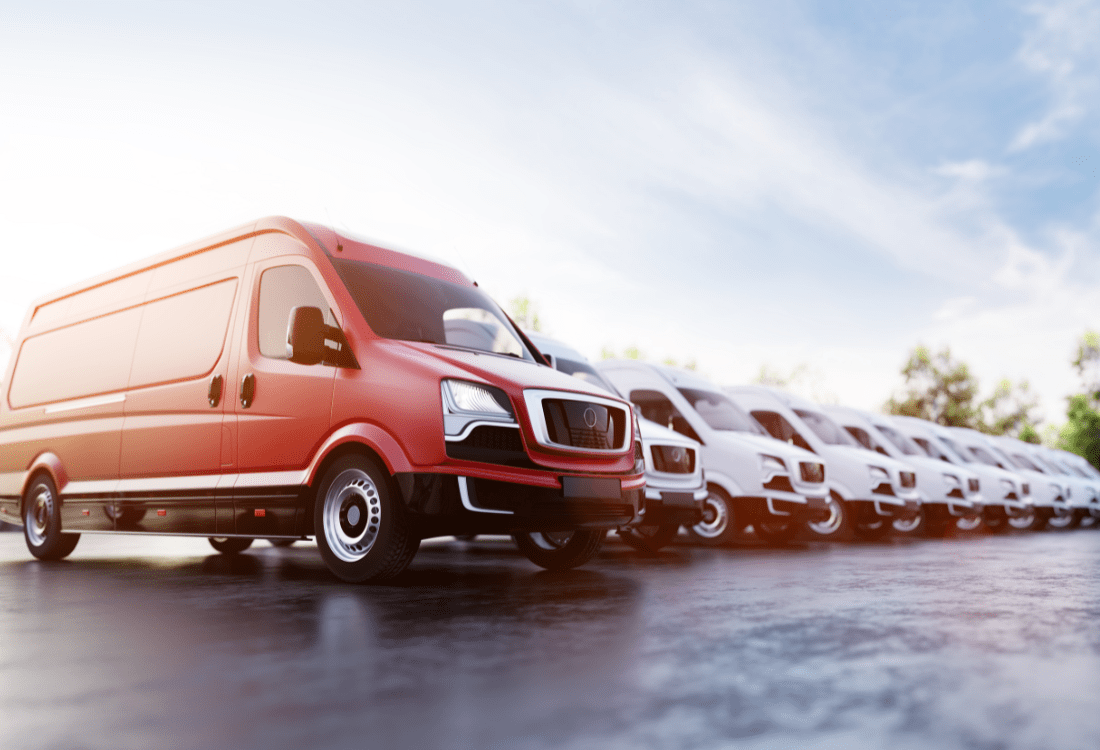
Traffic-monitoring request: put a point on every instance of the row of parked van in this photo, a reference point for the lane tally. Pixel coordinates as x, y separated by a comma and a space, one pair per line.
785, 465
282, 381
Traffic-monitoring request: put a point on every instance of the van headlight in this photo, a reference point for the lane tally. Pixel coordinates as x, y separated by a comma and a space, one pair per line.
952, 481
879, 475
465, 403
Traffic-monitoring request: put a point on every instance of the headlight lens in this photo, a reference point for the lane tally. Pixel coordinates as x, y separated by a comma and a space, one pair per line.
878, 475
470, 398
673, 459
1007, 486
952, 481
812, 472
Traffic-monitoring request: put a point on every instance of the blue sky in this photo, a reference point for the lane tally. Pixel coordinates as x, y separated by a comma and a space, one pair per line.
744, 184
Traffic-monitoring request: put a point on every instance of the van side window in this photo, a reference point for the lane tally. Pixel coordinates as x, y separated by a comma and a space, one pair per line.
85, 359
281, 290
182, 336
780, 429
656, 407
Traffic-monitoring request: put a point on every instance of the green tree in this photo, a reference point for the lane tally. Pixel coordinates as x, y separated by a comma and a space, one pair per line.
1081, 432
1008, 411
939, 388
1087, 362
525, 313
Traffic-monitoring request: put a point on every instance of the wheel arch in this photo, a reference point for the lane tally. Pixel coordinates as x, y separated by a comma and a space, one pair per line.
50, 465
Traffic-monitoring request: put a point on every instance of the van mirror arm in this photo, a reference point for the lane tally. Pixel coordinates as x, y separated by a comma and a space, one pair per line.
340, 356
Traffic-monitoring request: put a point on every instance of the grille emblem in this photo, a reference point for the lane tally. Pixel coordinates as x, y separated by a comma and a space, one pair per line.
590, 417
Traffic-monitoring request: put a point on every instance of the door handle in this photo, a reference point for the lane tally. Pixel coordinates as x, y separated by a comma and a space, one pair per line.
248, 390
214, 395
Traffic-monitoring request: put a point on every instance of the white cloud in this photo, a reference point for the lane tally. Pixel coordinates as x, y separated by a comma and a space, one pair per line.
1063, 47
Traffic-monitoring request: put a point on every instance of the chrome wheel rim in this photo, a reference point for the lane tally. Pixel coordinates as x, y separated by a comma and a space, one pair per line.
551, 540
968, 524
1022, 522
39, 514
1062, 518
907, 526
352, 515
716, 518
830, 525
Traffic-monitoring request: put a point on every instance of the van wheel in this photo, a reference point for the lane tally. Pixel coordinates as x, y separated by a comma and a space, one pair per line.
650, 538
230, 545
1035, 520
719, 525
969, 524
837, 525
362, 531
560, 550
930, 521
42, 522
776, 532
1065, 520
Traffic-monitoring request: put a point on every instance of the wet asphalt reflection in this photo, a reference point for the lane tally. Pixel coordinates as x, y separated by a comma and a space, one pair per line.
985, 642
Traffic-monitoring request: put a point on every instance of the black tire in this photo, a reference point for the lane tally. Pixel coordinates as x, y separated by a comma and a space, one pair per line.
873, 530
560, 550
362, 531
42, 521
776, 532
230, 545
995, 519
1036, 520
1070, 519
282, 542
838, 526
650, 538
124, 517
931, 522
720, 523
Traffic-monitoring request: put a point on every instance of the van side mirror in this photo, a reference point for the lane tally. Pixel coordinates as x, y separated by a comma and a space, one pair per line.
305, 336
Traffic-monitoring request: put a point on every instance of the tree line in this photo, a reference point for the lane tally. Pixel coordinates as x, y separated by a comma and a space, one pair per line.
942, 389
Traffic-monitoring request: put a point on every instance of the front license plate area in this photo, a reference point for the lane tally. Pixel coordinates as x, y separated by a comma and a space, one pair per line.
598, 488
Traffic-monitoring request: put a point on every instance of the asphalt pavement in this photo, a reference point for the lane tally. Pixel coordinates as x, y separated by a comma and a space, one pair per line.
141, 642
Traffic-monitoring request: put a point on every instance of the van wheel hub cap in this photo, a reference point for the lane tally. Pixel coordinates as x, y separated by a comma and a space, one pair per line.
38, 517
352, 515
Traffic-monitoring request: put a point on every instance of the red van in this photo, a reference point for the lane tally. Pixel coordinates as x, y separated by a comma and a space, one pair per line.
281, 381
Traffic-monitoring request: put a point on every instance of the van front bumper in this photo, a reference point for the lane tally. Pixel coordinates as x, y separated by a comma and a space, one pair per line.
671, 506
441, 505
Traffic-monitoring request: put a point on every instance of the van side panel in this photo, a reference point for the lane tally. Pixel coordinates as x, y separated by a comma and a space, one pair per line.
172, 429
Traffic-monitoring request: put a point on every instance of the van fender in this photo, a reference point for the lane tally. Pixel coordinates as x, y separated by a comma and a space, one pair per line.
362, 433
845, 493
51, 464
725, 482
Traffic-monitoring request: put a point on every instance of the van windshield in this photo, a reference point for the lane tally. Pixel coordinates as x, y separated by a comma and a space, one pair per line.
825, 428
719, 412
411, 307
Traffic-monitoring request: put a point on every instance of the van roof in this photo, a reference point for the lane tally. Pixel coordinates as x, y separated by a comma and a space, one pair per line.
323, 238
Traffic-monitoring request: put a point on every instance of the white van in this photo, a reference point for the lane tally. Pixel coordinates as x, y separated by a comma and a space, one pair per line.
675, 490
946, 492
751, 478
1089, 514
866, 492
1004, 494
1052, 487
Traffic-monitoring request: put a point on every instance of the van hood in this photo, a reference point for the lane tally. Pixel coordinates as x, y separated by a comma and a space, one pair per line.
764, 444
850, 453
653, 432
507, 372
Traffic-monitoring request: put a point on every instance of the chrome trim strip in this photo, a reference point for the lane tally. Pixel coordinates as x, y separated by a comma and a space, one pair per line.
477, 423
85, 403
271, 479
90, 487
464, 493
533, 399
163, 484
120, 532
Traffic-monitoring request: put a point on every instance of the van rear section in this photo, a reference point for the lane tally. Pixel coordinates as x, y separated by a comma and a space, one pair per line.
280, 381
